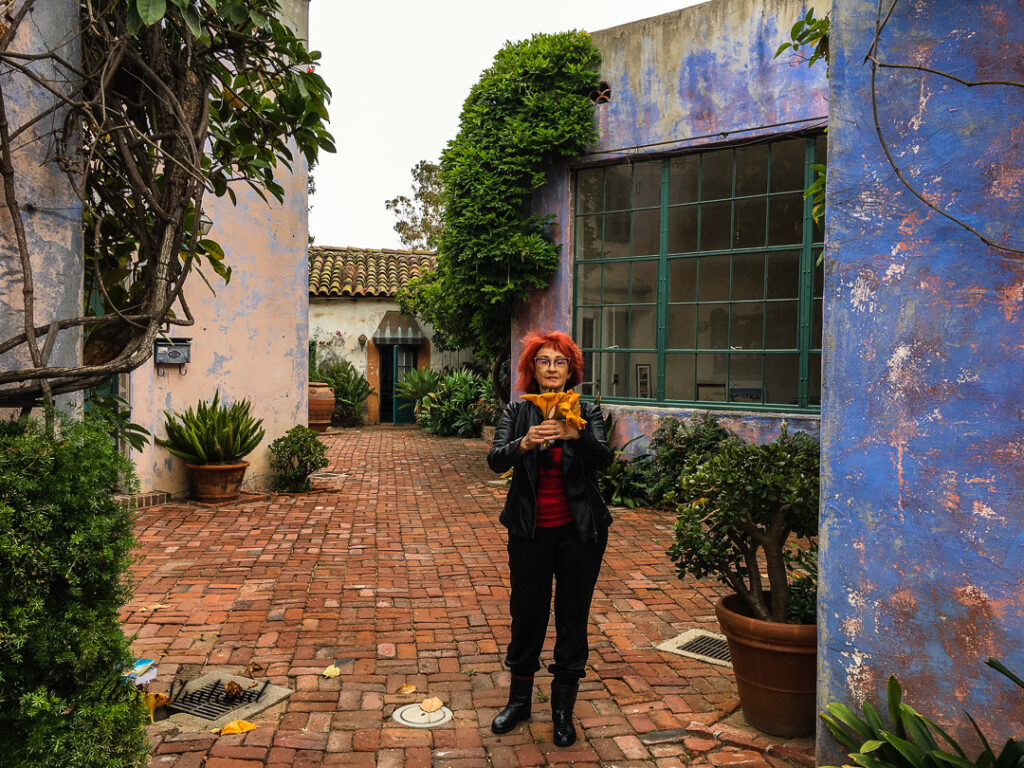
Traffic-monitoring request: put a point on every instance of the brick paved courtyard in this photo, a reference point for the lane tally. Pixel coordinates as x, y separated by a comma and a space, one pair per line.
394, 570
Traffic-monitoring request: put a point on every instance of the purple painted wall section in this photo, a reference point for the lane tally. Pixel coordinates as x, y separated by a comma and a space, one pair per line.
923, 424
51, 213
692, 78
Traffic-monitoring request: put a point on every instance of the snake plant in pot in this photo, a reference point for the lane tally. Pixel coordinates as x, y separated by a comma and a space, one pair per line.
740, 509
213, 439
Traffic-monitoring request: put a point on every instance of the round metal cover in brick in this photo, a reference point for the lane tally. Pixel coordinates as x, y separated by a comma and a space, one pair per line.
414, 717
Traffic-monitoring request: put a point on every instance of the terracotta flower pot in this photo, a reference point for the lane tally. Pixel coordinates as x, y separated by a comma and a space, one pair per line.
321, 405
216, 482
775, 667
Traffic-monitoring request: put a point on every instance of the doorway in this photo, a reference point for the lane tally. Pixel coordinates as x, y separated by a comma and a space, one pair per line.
395, 361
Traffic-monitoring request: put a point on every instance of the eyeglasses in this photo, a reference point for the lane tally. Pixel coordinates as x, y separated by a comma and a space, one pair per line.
558, 362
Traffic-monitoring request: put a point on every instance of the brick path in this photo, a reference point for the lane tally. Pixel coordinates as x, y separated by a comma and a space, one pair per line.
395, 570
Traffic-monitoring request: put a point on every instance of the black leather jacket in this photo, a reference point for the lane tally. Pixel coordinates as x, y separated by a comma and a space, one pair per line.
580, 461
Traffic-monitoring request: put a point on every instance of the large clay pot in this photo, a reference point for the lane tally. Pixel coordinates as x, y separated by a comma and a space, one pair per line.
321, 405
775, 667
216, 482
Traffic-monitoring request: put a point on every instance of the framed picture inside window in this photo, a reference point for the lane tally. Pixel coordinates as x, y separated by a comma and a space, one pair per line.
643, 380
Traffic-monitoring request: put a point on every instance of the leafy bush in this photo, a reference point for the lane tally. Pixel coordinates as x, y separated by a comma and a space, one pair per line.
487, 409
625, 482
212, 434
65, 549
416, 384
117, 413
294, 457
910, 741
746, 499
678, 446
350, 391
451, 410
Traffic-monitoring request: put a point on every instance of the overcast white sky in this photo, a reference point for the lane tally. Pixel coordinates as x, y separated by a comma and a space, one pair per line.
400, 70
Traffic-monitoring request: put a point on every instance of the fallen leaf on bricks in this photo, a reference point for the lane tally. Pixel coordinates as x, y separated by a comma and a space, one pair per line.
154, 607
235, 726
153, 702
432, 704
406, 689
253, 668
232, 691
331, 671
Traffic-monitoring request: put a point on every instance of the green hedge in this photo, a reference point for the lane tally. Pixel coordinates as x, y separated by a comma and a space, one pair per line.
65, 548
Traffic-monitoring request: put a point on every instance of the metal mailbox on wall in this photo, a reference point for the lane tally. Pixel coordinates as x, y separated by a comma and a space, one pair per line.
172, 351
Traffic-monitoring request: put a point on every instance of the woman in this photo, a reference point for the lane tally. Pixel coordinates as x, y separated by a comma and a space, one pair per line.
557, 529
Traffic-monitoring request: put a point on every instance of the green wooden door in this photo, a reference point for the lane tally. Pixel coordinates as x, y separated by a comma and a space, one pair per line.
403, 361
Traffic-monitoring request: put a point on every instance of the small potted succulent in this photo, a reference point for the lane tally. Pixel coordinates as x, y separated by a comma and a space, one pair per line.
213, 439
740, 511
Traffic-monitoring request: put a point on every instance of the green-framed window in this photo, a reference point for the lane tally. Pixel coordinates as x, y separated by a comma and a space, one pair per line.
695, 277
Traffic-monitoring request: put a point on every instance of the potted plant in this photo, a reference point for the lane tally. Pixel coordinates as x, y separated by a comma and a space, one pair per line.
213, 439
294, 457
321, 394
739, 510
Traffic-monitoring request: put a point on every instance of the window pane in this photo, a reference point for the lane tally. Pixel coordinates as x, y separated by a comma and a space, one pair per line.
642, 332
784, 275
747, 276
785, 219
814, 379
682, 325
645, 282
782, 379
747, 331
712, 371
644, 383
612, 381
589, 329
589, 285
714, 278
616, 235
745, 382
646, 233
679, 377
781, 325
682, 229
788, 165
816, 325
748, 226
752, 170
716, 175
715, 221
647, 184
618, 183
616, 282
682, 179
588, 190
614, 327
713, 326
682, 280
588, 237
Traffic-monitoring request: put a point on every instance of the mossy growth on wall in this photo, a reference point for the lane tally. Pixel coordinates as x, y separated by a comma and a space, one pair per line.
529, 110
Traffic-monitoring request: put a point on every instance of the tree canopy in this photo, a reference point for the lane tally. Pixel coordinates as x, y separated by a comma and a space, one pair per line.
420, 221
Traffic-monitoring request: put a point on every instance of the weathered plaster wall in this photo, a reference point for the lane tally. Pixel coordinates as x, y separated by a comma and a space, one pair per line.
51, 212
923, 424
692, 78
250, 338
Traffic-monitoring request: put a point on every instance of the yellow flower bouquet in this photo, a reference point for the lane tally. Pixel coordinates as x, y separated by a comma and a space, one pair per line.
564, 406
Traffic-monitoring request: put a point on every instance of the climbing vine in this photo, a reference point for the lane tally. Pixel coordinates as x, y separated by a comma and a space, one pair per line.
529, 111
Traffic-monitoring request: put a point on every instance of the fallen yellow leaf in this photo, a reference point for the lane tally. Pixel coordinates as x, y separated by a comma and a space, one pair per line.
154, 607
405, 689
235, 726
431, 705
153, 702
331, 671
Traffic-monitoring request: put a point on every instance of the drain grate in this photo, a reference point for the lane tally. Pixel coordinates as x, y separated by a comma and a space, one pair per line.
210, 701
701, 645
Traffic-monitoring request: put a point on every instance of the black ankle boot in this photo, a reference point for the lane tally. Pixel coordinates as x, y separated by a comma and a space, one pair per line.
520, 696
563, 699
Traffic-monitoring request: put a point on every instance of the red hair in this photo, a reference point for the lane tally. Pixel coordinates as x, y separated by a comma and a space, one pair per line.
532, 344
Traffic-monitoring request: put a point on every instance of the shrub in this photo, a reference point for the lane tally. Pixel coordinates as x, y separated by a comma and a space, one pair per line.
487, 409
626, 482
212, 434
294, 457
451, 410
65, 548
350, 391
678, 446
416, 384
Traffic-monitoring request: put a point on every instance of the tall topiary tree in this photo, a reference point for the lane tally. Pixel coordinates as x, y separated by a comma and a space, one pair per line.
528, 111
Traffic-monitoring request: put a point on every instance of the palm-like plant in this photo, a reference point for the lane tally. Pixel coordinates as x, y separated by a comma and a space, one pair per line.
212, 433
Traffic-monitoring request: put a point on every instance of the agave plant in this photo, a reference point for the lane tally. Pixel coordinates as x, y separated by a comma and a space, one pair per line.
212, 433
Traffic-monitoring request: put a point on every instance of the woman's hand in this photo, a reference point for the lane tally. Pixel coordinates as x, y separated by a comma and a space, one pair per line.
545, 432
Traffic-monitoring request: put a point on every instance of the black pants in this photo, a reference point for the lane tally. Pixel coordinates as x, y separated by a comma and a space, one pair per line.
557, 554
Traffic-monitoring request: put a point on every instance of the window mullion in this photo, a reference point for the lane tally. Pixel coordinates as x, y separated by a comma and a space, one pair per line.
806, 304
661, 342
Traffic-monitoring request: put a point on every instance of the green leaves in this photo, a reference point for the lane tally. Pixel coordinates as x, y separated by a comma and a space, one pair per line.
294, 457
212, 433
151, 11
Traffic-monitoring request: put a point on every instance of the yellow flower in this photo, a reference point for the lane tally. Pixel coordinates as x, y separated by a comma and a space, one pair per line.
559, 405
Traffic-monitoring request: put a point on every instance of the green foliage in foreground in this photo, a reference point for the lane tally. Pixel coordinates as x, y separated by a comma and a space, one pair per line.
454, 410
65, 549
294, 457
528, 112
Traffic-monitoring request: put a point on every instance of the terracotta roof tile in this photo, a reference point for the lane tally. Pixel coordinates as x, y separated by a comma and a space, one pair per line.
363, 271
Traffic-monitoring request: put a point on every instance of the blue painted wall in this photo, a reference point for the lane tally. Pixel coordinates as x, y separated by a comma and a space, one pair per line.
923, 409
690, 79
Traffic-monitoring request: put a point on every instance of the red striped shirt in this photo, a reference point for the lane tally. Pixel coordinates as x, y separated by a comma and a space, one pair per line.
552, 504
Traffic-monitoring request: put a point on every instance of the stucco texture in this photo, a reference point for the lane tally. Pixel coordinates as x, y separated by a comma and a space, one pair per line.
922, 423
